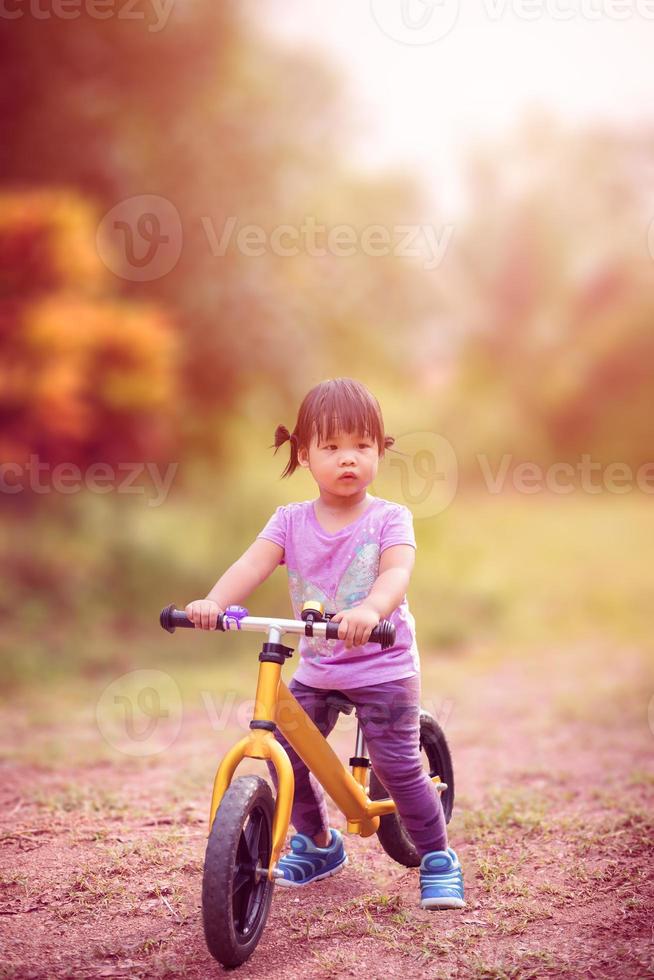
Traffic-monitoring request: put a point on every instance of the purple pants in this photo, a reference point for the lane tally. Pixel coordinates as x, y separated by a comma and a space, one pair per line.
389, 718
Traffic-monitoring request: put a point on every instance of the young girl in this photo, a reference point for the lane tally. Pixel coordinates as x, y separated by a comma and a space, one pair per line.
353, 552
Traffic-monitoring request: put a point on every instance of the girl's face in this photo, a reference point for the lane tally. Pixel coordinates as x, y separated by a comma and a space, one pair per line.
330, 459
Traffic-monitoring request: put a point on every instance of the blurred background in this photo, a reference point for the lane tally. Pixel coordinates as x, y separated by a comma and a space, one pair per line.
206, 209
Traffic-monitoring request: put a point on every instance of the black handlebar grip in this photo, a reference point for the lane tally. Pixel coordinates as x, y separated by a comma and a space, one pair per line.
171, 618
383, 633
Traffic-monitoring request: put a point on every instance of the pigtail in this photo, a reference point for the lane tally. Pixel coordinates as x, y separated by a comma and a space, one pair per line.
282, 435
389, 442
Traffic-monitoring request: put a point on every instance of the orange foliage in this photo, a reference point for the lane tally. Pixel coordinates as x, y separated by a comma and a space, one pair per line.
83, 375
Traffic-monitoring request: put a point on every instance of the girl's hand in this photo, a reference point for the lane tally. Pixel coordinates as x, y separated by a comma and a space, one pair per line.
356, 625
203, 613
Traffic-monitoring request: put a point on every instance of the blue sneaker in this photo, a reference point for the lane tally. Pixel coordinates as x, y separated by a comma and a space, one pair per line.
441, 881
307, 862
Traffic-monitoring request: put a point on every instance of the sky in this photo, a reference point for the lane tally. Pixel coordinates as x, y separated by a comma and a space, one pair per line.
427, 77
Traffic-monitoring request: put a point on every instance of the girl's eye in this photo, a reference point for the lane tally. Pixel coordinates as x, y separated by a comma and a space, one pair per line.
362, 445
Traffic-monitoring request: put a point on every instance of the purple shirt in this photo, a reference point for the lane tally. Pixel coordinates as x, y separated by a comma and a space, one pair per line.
339, 570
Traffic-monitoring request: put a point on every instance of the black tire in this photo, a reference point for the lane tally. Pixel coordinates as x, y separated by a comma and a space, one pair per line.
392, 834
235, 898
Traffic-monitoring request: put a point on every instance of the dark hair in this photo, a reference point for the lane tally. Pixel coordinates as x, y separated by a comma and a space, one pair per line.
337, 405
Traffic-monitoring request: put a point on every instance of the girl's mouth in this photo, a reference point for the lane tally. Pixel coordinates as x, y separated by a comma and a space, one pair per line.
347, 476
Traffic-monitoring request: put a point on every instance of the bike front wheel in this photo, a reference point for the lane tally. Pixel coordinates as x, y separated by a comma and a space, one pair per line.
236, 894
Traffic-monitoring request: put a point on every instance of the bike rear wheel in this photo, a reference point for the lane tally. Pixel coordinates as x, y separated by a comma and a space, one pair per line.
236, 895
392, 833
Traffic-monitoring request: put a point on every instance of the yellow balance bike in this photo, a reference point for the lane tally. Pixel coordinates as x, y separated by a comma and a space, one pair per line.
248, 827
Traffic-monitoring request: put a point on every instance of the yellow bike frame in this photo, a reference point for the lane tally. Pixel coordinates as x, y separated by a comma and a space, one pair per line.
276, 706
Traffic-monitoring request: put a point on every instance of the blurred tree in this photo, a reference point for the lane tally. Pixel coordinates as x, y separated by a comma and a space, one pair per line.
84, 376
233, 130
551, 279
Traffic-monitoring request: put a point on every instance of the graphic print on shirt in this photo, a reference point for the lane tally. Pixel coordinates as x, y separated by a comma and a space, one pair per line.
355, 584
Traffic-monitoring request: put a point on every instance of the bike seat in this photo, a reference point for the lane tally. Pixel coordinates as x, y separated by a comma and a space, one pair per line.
336, 699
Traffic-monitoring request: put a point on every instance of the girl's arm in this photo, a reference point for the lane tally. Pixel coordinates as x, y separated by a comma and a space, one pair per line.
237, 583
250, 570
395, 567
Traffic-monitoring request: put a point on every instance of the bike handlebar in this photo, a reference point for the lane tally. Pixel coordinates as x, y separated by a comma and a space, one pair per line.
171, 618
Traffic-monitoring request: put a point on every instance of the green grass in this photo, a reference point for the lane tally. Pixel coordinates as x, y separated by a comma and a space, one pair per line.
506, 811
533, 571
83, 588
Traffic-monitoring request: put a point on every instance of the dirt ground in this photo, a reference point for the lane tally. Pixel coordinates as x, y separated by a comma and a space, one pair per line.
101, 858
